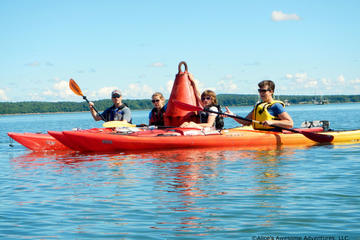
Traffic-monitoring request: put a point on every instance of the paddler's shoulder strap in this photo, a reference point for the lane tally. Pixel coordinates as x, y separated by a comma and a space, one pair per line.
277, 101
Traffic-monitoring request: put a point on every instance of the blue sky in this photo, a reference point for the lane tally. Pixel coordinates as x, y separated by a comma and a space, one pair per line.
305, 47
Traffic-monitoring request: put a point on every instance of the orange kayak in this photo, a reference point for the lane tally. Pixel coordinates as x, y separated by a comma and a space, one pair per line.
102, 139
178, 138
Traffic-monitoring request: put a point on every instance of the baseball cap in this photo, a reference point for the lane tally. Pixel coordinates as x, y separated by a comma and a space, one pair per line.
116, 91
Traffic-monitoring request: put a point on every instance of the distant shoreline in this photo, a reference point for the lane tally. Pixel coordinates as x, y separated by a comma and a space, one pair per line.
12, 114
33, 107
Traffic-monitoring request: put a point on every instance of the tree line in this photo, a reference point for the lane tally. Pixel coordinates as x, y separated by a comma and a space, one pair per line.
139, 104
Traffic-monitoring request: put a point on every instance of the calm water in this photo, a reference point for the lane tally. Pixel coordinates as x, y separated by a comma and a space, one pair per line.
191, 194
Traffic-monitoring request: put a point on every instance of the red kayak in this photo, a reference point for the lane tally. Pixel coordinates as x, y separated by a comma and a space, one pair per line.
59, 136
46, 142
106, 139
37, 141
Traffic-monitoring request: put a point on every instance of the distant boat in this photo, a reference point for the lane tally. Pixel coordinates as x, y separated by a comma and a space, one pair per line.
321, 101
286, 102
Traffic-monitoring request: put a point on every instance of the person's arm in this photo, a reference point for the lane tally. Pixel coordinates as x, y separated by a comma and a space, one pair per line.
94, 114
285, 119
209, 123
127, 114
190, 125
196, 90
243, 122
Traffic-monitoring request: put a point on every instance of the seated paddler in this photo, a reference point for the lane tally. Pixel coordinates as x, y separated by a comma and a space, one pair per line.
156, 115
268, 113
119, 111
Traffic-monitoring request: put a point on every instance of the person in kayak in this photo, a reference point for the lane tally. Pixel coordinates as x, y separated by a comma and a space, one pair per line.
268, 112
156, 116
209, 102
117, 112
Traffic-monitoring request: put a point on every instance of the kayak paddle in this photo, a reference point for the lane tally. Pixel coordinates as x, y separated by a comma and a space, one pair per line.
113, 124
316, 137
76, 89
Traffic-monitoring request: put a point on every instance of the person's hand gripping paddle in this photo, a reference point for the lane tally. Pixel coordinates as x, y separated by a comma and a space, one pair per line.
76, 89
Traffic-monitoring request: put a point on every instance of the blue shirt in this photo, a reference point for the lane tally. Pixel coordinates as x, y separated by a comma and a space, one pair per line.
276, 109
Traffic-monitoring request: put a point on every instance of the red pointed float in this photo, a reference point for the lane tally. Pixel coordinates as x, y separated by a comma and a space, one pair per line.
182, 91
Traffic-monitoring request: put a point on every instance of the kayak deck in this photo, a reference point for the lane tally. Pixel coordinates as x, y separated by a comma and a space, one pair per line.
102, 139
157, 140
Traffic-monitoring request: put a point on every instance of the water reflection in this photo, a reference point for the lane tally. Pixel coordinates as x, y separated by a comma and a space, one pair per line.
191, 190
270, 183
191, 181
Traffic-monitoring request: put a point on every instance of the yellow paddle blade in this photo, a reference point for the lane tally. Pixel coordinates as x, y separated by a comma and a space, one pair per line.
75, 88
114, 124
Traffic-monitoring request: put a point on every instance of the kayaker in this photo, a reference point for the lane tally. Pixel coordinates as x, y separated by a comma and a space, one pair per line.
119, 111
156, 116
268, 112
208, 101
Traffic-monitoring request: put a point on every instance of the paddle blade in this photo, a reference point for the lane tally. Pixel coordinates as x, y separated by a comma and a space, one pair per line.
75, 88
185, 106
320, 138
113, 124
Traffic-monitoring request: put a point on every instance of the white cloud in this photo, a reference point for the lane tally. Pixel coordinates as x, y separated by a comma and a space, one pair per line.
304, 81
169, 85
280, 16
355, 81
289, 76
62, 89
311, 84
138, 90
48, 92
59, 91
341, 79
355, 84
3, 95
33, 64
326, 83
301, 77
157, 64
33, 96
227, 87
105, 92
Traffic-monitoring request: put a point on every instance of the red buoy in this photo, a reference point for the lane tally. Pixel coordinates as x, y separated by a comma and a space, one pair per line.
182, 91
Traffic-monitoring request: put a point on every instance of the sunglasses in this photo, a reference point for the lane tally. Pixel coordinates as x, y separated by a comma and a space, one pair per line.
115, 96
263, 90
156, 100
205, 98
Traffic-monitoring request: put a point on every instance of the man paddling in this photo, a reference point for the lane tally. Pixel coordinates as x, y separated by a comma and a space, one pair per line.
117, 112
268, 113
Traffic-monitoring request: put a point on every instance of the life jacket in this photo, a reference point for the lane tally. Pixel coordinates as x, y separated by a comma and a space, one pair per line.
219, 120
116, 113
157, 117
261, 113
